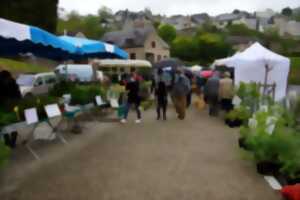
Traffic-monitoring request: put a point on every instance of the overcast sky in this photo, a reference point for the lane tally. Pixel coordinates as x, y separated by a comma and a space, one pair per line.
170, 7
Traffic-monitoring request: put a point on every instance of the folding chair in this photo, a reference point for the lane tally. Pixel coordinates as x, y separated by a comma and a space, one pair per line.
53, 112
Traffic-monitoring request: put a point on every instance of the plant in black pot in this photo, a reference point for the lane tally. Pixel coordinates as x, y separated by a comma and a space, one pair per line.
237, 117
290, 157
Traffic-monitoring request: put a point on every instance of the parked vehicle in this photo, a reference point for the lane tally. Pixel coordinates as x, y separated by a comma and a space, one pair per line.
36, 84
73, 72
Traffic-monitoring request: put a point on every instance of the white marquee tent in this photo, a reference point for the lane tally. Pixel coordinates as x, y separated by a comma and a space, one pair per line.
250, 66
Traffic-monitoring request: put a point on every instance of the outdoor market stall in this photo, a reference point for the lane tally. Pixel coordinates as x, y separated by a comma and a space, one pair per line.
96, 49
16, 38
260, 65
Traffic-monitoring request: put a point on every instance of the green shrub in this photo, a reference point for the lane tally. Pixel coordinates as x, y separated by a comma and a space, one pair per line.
85, 94
240, 113
4, 153
61, 88
7, 118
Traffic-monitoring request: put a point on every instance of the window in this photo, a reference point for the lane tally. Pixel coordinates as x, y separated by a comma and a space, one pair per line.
50, 79
153, 44
132, 56
38, 82
158, 57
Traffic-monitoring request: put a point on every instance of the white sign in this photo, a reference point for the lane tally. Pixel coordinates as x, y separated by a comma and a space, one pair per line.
99, 101
273, 182
236, 101
52, 110
114, 103
31, 116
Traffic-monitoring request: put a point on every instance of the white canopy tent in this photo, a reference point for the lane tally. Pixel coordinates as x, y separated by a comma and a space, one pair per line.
250, 66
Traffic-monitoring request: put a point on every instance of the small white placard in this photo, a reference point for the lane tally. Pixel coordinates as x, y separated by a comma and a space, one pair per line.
99, 101
67, 98
52, 110
114, 103
273, 182
236, 101
31, 116
109, 48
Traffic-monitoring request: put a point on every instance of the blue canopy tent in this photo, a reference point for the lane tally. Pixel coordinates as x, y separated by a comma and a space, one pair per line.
93, 48
18, 38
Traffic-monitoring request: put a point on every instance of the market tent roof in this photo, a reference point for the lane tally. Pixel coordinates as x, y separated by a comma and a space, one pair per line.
122, 63
249, 66
94, 48
16, 38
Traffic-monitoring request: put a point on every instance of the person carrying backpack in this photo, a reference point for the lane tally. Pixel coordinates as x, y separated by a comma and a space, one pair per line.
179, 92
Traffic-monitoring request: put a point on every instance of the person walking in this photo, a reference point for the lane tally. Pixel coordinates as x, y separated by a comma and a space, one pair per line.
179, 93
211, 92
133, 98
226, 92
161, 94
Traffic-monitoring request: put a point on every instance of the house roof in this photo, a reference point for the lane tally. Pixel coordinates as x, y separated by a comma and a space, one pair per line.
131, 38
200, 18
228, 17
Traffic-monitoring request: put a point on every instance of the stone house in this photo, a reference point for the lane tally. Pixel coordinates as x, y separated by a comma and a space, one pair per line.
140, 42
180, 22
287, 27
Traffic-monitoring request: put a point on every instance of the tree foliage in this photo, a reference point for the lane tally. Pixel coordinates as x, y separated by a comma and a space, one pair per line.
40, 13
89, 25
167, 32
287, 11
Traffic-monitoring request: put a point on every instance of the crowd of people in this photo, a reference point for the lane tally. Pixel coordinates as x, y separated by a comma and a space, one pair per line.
217, 91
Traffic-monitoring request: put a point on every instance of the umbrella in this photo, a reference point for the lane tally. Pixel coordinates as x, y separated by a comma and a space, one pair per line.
171, 62
206, 73
93, 48
16, 38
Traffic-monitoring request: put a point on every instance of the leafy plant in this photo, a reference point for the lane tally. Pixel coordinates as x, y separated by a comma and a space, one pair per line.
85, 94
4, 153
241, 113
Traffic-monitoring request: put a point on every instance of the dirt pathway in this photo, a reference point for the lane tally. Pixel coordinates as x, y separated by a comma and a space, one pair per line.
186, 160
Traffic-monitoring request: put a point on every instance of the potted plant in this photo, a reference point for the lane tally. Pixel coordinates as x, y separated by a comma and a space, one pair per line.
237, 117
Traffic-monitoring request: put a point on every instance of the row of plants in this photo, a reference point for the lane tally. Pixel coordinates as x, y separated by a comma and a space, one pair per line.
269, 131
13, 111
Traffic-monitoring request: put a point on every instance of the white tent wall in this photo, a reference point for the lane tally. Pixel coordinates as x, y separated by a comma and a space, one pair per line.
250, 66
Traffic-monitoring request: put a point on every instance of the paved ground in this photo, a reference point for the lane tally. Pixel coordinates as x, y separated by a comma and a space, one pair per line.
186, 160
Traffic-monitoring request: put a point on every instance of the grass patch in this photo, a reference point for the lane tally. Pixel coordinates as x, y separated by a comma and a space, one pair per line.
20, 67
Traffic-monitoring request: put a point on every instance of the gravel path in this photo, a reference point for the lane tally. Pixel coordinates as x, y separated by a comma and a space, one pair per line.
186, 160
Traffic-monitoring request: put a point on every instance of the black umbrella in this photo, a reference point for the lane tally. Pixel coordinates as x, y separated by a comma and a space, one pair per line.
170, 62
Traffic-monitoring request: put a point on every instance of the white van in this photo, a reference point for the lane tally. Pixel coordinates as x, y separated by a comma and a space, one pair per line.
36, 84
73, 72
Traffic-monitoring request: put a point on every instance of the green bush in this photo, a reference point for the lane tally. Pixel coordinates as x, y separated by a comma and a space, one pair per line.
84, 94
4, 153
61, 88
7, 118
240, 113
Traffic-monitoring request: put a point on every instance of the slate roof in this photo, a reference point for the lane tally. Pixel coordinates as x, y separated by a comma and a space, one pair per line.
134, 37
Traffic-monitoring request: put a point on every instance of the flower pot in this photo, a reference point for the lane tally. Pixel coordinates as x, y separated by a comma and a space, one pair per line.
286, 180
267, 167
242, 144
233, 123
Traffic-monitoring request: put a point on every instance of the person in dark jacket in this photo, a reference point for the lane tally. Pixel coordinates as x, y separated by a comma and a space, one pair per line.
179, 92
211, 92
160, 87
133, 98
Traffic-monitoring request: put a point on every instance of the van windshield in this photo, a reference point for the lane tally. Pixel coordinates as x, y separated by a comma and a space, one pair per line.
25, 80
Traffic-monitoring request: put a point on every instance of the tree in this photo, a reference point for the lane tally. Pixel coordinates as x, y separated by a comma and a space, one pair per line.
38, 13
89, 25
167, 32
287, 11
236, 11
